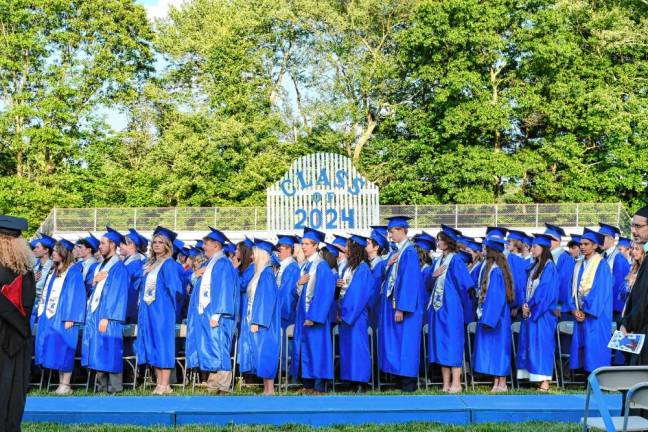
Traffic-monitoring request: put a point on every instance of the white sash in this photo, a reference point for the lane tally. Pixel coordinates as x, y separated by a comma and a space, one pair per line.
436, 299
205, 283
282, 267
310, 286
150, 286
55, 294
133, 257
98, 290
394, 271
251, 293
532, 284
374, 262
582, 289
86, 264
41, 301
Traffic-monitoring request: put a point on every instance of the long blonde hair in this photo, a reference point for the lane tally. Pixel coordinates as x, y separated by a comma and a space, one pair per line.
16, 254
261, 261
168, 249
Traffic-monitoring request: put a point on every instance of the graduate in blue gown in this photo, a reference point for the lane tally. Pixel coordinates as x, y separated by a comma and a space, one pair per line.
519, 266
445, 310
353, 316
155, 343
134, 261
243, 256
85, 249
424, 244
376, 247
60, 311
102, 347
591, 306
537, 340
260, 340
492, 351
287, 277
312, 357
565, 268
401, 317
211, 318
179, 258
475, 249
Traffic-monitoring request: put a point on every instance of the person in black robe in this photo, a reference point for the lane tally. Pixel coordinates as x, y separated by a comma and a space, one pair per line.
635, 315
17, 293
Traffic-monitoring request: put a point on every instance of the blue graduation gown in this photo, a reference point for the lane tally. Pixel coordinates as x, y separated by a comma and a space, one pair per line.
104, 351
492, 353
244, 280
537, 340
288, 294
155, 343
207, 348
518, 266
565, 267
355, 353
313, 345
55, 346
400, 343
258, 353
135, 268
470, 305
446, 326
590, 339
87, 275
378, 272
620, 270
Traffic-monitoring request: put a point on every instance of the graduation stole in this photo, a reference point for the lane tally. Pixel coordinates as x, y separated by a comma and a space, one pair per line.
205, 283
86, 264
133, 257
347, 278
54, 294
310, 285
150, 285
96, 294
43, 297
532, 284
436, 299
391, 281
611, 257
587, 281
282, 267
484, 280
251, 291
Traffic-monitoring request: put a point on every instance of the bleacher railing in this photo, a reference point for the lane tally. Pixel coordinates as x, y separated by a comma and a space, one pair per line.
254, 218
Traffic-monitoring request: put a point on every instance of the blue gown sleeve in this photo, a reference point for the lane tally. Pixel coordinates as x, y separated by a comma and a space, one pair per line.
565, 266
320, 305
172, 281
546, 293
73, 308
265, 299
458, 271
495, 300
409, 282
620, 271
288, 290
116, 297
599, 297
224, 288
357, 295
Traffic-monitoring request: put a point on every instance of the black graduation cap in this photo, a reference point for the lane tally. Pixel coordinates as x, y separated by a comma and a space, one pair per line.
13, 225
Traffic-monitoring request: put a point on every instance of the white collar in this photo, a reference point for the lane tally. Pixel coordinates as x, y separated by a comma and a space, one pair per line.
610, 251
286, 260
312, 258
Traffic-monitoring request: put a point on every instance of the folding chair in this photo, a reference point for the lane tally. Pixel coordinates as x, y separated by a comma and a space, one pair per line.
471, 330
181, 359
130, 360
614, 379
565, 330
287, 338
335, 335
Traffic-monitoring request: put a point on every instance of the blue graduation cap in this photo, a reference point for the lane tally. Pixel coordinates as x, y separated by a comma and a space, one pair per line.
274, 260
542, 240
66, 244
423, 243
625, 242
516, 235
359, 240
178, 246
199, 244
451, 232
229, 248
382, 229
165, 232
554, 231
248, 242
332, 249
340, 241
264, 245
217, 235
465, 256
286, 239
313, 234
298, 238
428, 238
576, 237
46, 241
609, 230
528, 240
398, 222
92, 241
380, 239
496, 232
593, 236
113, 235
190, 252
495, 242
134, 236
33, 243
13, 224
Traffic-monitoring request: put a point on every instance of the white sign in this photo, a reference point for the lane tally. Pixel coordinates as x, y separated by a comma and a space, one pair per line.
322, 191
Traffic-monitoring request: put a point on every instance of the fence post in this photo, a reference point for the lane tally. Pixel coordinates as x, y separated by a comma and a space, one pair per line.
135, 218
95, 220
618, 214
496, 215
577, 214
215, 213
537, 213
456, 215
416, 216
55, 224
175, 218
256, 218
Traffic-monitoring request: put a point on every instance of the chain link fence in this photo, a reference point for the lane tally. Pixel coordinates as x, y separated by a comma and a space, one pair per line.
255, 218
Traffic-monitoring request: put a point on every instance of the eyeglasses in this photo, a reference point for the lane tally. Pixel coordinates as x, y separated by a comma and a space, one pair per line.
638, 226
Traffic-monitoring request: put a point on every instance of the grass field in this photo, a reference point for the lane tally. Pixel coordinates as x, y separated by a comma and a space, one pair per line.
410, 427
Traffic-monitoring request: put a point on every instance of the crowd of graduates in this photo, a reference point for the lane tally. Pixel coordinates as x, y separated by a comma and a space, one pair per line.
389, 282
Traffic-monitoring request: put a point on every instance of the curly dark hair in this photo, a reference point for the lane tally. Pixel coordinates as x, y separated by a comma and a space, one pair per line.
356, 254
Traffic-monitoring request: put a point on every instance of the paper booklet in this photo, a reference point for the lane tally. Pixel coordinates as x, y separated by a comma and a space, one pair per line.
631, 342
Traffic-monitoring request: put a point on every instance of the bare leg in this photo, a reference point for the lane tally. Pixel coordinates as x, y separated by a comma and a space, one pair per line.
445, 374
268, 387
456, 380
64, 383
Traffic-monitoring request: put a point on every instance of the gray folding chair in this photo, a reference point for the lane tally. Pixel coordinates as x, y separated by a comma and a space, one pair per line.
615, 379
130, 332
287, 338
637, 398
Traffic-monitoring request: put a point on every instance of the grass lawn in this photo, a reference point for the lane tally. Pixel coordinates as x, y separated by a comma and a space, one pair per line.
410, 427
